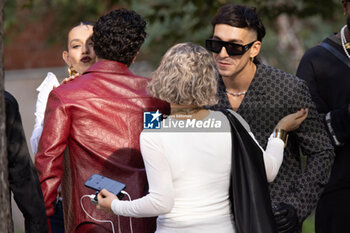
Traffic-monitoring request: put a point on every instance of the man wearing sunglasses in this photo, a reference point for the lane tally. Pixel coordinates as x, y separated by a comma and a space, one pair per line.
262, 95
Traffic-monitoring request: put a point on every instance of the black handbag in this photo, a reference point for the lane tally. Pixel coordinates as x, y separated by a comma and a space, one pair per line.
249, 194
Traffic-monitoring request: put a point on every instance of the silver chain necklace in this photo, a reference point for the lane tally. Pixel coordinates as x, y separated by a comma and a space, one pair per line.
236, 94
343, 40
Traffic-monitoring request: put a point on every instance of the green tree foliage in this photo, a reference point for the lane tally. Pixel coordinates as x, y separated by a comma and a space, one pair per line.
174, 21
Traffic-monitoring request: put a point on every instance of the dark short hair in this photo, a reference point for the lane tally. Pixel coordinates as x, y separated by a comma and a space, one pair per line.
241, 17
118, 35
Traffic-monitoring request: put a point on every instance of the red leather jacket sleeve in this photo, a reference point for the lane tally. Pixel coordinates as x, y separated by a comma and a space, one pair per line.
53, 142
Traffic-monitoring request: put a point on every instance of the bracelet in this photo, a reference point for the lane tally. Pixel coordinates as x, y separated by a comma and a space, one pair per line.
281, 134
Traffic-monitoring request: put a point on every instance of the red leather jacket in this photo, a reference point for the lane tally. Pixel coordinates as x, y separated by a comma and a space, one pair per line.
92, 125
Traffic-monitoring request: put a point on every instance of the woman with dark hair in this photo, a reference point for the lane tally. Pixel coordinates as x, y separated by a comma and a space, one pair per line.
79, 56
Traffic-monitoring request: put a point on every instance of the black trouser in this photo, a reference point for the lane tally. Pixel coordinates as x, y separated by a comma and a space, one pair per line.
333, 213
56, 220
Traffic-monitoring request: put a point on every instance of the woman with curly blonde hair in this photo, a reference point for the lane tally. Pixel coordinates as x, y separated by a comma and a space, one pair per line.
188, 160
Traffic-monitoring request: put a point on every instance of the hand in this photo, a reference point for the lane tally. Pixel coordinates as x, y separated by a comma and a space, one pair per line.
105, 199
66, 80
286, 218
293, 121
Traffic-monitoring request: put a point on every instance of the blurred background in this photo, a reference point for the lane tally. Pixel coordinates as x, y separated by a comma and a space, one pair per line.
36, 31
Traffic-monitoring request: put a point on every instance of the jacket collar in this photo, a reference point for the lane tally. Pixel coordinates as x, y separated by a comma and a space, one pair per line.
108, 66
255, 87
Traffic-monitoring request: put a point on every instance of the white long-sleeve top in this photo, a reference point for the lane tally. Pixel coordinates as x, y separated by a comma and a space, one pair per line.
44, 90
189, 178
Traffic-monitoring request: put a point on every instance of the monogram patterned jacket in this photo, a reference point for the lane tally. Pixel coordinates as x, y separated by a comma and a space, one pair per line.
309, 154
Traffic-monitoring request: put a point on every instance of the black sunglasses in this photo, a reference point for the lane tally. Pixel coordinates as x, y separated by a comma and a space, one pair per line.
231, 48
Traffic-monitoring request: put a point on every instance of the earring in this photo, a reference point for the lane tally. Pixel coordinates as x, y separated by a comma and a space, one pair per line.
71, 71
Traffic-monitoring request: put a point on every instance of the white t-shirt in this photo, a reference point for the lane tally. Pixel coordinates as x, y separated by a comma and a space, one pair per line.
189, 177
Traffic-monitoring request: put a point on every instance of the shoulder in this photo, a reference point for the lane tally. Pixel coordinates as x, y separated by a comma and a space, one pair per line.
240, 119
78, 88
219, 115
281, 87
10, 99
11, 102
279, 77
314, 54
314, 51
151, 139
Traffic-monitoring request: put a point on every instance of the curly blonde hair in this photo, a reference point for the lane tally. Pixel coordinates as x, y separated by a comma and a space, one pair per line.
186, 76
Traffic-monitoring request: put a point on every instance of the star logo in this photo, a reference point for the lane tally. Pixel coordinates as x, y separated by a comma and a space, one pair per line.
152, 120
155, 115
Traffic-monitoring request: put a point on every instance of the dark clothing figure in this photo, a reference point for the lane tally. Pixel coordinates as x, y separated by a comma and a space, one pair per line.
23, 179
329, 81
272, 95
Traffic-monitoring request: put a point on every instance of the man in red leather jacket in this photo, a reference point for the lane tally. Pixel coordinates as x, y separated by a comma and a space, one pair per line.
92, 125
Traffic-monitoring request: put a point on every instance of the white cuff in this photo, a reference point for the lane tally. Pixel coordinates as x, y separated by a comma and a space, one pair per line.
114, 206
34, 139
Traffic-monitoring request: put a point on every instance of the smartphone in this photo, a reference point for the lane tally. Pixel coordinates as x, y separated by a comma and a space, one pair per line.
98, 182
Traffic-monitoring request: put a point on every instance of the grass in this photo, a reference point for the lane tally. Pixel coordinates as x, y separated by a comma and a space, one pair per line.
309, 224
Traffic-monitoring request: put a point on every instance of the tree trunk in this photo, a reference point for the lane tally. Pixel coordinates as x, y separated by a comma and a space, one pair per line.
287, 27
5, 206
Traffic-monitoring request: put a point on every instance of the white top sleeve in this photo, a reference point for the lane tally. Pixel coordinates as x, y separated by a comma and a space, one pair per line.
44, 90
273, 156
160, 199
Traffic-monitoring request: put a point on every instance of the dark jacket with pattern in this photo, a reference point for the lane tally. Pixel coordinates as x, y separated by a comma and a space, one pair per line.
272, 95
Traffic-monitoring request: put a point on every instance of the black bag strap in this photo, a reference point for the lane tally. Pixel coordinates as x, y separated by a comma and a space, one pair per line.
336, 53
249, 188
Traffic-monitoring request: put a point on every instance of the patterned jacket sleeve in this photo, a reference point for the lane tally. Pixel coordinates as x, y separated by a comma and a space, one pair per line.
53, 141
23, 179
315, 144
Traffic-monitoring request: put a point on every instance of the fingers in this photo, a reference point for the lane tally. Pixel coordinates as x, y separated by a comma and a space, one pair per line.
66, 80
103, 194
100, 198
280, 213
105, 199
286, 218
301, 115
305, 114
